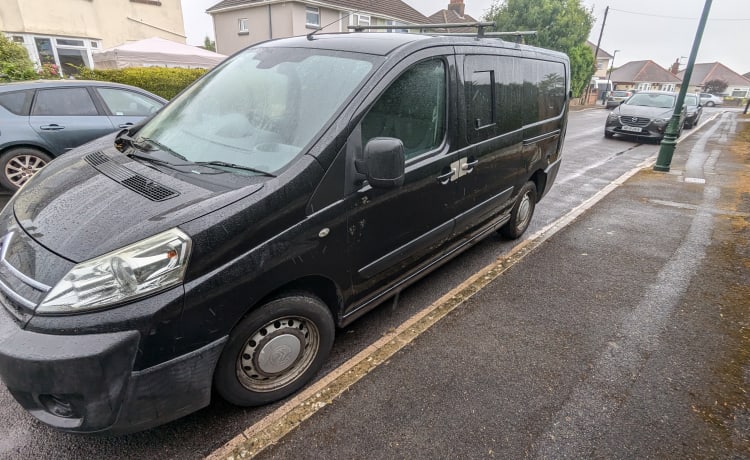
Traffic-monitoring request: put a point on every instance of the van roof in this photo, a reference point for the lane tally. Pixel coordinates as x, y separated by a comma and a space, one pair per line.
382, 44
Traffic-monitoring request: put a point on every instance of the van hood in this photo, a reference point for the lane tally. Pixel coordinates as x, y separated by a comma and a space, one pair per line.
93, 201
643, 111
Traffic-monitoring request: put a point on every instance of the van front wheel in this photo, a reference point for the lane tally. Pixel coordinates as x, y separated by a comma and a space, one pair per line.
275, 350
520, 215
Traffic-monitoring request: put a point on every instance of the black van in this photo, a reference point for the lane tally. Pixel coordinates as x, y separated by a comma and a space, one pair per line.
287, 192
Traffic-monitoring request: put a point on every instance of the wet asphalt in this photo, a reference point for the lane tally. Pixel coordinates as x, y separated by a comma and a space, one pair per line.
612, 340
570, 353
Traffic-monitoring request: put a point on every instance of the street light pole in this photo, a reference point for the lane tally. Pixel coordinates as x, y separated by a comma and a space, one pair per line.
609, 74
669, 142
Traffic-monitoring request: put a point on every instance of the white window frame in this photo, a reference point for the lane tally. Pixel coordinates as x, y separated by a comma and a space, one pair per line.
738, 90
314, 10
668, 87
242, 26
361, 19
643, 86
398, 27
29, 43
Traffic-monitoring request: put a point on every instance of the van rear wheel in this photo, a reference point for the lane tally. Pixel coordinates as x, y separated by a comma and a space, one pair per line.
522, 212
275, 350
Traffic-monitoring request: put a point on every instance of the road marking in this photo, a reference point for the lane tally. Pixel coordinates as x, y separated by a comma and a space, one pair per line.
277, 424
274, 426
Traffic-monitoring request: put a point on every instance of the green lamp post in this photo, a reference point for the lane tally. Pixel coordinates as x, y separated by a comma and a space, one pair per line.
670, 135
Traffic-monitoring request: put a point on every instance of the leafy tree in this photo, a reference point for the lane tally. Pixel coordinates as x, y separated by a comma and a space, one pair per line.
562, 25
14, 61
209, 44
715, 86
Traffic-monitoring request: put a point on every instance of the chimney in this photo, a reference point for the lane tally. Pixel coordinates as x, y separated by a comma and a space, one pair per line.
675, 67
457, 6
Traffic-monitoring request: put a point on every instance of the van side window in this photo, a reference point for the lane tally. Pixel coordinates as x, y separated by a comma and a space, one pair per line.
544, 90
482, 99
493, 96
412, 109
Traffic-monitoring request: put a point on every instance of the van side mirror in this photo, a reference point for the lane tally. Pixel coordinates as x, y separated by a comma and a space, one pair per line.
384, 162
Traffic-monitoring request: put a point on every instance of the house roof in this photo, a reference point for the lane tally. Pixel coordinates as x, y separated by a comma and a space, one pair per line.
643, 72
388, 8
601, 54
715, 71
449, 16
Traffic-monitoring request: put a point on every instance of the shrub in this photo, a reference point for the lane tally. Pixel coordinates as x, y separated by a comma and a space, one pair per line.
164, 81
14, 61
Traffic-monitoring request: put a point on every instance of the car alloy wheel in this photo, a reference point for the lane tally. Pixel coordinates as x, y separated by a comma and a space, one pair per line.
21, 164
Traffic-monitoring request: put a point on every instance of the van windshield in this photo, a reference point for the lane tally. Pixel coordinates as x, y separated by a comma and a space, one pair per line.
259, 109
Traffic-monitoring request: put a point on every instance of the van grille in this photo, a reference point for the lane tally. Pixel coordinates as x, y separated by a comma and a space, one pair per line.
635, 121
132, 180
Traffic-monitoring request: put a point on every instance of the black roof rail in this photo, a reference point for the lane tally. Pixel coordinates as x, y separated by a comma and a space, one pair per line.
422, 27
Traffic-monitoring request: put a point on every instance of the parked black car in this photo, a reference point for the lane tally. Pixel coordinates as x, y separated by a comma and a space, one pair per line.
290, 190
45, 118
645, 115
693, 110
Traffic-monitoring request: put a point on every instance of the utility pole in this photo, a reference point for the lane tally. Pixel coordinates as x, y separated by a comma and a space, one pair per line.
587, 93
670, 135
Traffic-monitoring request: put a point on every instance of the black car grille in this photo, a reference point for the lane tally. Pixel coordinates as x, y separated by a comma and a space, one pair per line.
635, 121
132, 180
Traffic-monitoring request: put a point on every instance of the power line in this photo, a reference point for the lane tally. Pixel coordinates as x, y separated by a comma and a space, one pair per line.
678, 17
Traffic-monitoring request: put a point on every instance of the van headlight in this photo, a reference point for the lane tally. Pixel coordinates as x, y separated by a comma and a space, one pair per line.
150, 265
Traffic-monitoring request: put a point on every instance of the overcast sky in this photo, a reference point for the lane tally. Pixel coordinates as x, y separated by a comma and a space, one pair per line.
662, 30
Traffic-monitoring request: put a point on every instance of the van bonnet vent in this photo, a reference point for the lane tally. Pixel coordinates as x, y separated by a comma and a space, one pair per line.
132, 180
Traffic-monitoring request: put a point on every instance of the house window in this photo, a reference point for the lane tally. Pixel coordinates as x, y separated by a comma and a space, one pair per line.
242, 26
94, 45
312, 17
668, 87
396, 29
599, 65
147, 2
643, 86
67, 42
18, 39
361, 19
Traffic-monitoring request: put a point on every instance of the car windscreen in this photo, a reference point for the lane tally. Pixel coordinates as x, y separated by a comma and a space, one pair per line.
664, 101
259, 109
691, 100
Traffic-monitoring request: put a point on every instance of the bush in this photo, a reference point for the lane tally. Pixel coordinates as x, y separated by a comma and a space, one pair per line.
14, 61
164, 81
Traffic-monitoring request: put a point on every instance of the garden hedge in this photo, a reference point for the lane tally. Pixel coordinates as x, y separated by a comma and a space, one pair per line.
164, 81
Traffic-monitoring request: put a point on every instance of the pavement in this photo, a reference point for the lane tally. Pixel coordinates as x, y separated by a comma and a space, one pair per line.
622, 334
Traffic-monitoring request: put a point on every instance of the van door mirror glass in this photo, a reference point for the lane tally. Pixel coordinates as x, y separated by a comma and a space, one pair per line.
385, 162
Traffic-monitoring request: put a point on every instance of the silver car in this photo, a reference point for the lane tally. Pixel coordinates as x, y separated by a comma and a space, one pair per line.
710, 100
44, 119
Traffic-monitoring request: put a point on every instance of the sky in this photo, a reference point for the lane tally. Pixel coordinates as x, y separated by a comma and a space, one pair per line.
660, 30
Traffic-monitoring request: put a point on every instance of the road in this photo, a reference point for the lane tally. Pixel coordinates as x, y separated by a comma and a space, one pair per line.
590, 163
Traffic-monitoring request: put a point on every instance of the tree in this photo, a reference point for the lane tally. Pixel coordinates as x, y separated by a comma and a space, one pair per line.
14, 61
209, 44
715, 86
561, 25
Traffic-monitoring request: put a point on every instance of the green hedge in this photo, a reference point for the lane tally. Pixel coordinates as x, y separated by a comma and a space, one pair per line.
164, 81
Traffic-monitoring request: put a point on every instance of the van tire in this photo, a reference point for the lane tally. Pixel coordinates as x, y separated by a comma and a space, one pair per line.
608, 135
275, 350
521, 213
18, 165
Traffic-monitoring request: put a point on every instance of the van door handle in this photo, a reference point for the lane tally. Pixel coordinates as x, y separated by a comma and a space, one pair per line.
126, 125
52, 127
446, 178
468, 167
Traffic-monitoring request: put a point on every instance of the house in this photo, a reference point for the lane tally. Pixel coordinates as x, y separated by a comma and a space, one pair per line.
454, 14
65, 32
241, 23
604, 61
738, 85
644, 75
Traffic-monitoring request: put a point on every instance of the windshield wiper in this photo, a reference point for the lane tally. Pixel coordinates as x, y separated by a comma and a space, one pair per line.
161, 147
234, 166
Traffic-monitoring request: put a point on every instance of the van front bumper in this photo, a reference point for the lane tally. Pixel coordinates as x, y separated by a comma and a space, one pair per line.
86, 383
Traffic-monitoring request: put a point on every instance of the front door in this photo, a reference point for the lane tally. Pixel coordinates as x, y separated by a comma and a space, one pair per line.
394, 232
